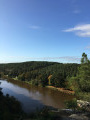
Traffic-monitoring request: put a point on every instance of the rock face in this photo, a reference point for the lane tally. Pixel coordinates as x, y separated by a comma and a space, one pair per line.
78, 117
84, 104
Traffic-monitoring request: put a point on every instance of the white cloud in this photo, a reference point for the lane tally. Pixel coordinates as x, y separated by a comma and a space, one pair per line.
34, 27
80, 30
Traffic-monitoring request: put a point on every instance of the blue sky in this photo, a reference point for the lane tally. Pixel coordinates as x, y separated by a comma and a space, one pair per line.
50, 30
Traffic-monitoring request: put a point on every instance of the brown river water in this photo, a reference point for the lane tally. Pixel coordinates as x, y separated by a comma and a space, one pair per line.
33, 97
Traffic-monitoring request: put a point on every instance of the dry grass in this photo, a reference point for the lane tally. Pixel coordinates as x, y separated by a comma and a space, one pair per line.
62, 90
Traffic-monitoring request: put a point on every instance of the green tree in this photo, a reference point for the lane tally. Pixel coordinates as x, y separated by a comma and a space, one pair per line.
71, 104
84, 74
58, 80
43, 80
82, 80
72, 84
84, 58
84, 77
21, 77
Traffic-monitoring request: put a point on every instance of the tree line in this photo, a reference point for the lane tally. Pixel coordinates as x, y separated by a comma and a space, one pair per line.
69, 76
40, 73
81, 82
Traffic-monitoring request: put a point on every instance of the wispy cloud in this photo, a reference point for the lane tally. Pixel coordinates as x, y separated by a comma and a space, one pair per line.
34, 27
76, 11
66, 59
80, 30
75, 6
88, 48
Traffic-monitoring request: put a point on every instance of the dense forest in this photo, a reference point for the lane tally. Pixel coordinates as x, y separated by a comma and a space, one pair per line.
81, 82
40, 73
72, 76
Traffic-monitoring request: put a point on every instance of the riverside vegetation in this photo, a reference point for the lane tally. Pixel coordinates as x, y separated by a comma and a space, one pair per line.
73, 77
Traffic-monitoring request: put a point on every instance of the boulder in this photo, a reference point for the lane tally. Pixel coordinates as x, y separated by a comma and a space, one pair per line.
84, 104
78, 117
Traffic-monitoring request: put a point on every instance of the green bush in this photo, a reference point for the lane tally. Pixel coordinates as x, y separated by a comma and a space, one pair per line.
71, 104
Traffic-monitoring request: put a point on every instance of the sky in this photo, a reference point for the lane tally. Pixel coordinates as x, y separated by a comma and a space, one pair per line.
44, 30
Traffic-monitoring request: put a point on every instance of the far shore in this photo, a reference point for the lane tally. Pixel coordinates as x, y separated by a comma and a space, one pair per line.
63, 90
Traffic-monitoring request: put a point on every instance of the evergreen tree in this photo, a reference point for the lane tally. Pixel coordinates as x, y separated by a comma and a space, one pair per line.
84, 58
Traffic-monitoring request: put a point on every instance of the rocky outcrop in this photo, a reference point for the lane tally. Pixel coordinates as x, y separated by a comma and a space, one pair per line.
84, 105
79, 117
81, 113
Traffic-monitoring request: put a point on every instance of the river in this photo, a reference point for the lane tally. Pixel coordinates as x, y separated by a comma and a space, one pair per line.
32, 97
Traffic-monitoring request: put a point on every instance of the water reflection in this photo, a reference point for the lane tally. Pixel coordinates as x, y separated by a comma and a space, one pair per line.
33, 97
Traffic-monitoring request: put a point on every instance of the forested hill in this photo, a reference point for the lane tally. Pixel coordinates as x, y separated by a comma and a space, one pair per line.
40, 73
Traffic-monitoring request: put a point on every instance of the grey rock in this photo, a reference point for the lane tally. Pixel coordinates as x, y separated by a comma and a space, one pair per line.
78, 117
84, 104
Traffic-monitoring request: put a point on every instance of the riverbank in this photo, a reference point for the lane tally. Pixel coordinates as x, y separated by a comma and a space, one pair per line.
33, 97
59, 113
61, 90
